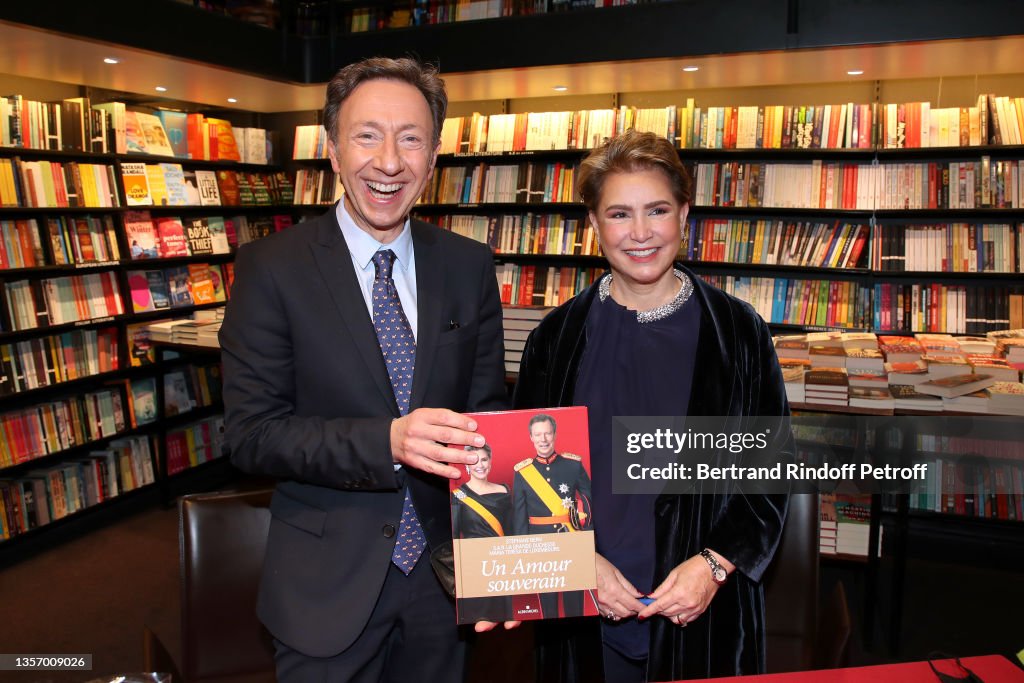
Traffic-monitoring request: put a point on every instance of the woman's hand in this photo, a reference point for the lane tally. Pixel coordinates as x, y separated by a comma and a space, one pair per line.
483, 626
684, 594
616, 597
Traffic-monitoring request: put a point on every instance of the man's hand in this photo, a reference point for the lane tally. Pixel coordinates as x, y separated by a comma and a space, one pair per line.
417, 438
482, 626
617, 598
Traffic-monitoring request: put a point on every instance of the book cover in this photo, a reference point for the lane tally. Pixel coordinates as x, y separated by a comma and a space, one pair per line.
154, 134
522, 526
140, 347
171, 237
227, 183
136, 184
191, 188
956, 385
177, 287
135, 139
174, 181
209, 195
217, 280
143, 399
200, 242
141, 235
201, 283
175, 125
138, 288
218, 235
158, 184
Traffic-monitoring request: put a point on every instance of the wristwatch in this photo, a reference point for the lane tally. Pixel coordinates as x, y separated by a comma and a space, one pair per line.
718, 573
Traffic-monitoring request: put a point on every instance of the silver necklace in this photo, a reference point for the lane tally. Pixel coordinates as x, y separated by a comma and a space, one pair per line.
604, 290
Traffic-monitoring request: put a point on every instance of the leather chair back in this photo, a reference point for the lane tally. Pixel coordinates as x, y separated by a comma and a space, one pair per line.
223, 536
791, 590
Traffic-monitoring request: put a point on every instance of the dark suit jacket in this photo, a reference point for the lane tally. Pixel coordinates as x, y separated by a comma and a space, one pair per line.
308, 400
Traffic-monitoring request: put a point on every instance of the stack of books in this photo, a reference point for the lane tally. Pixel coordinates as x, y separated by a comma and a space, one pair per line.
517, 323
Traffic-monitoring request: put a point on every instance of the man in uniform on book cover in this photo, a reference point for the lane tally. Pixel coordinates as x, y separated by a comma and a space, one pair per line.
352, 345
551, 494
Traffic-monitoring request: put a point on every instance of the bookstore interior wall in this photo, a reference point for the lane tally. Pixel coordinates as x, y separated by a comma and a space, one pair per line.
180, 388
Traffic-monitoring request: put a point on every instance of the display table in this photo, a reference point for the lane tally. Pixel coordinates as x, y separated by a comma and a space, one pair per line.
989, 669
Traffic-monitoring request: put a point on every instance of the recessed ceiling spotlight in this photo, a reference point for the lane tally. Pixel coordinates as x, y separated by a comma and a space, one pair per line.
560, 88
691, 68
111, 60
161, 88
232, 100
855, 72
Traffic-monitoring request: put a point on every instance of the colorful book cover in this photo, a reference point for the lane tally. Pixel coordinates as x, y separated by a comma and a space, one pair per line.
136, 185
521, 519
218, 235
140, 347
217, 280
138, 287
175, 125
143, 397
171, 237
227, 183
227, 147
191, 188
158, 289
174, 179
200, 283
157, 185
155, 135
140, 234
135, 139
177, 286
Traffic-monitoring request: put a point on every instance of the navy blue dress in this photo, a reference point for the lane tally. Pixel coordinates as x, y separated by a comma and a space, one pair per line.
631, 368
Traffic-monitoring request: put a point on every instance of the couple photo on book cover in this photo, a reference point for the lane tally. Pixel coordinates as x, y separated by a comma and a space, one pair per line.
522, 523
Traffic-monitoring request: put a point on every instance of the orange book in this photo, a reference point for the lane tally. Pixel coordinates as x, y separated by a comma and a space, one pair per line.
227, 148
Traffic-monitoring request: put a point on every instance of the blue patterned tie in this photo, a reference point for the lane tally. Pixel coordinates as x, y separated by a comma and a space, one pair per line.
398, 347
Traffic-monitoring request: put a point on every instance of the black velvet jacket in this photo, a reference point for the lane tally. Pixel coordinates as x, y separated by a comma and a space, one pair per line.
736, 374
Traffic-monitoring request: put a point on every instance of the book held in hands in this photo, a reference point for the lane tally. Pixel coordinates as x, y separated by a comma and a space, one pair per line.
522, 523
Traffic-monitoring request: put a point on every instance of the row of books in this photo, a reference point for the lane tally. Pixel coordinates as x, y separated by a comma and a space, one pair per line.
523, 183
517, 322
540, 233
195, 284
20, 244
54, 184
845, 523
81, 239
57, 425
427, 12
186, 136
317, 186
71, 125
775, 242
796, 301
49, 360
948, 247
51, 301
973, 487
190, 387
41, 496
194, 444
168, 184
820, 184
521, 285
956, 309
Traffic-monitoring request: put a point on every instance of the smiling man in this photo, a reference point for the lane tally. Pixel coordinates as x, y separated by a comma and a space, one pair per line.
351, 346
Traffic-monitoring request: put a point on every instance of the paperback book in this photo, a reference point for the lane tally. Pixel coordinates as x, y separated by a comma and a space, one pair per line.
522, 524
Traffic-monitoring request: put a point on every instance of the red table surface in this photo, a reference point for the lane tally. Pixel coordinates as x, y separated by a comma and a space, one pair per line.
990, 669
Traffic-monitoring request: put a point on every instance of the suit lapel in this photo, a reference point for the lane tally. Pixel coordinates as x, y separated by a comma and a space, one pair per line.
335, 264
429, 295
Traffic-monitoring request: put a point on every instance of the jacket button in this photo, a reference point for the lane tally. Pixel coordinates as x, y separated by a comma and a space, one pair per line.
388, 531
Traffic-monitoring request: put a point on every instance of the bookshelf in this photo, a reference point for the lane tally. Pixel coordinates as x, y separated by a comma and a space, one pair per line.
82, 429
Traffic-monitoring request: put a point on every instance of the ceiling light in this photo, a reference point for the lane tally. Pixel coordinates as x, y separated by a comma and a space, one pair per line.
855, 72
111, 60
161, 88
232, 100
560, 88
691, 68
